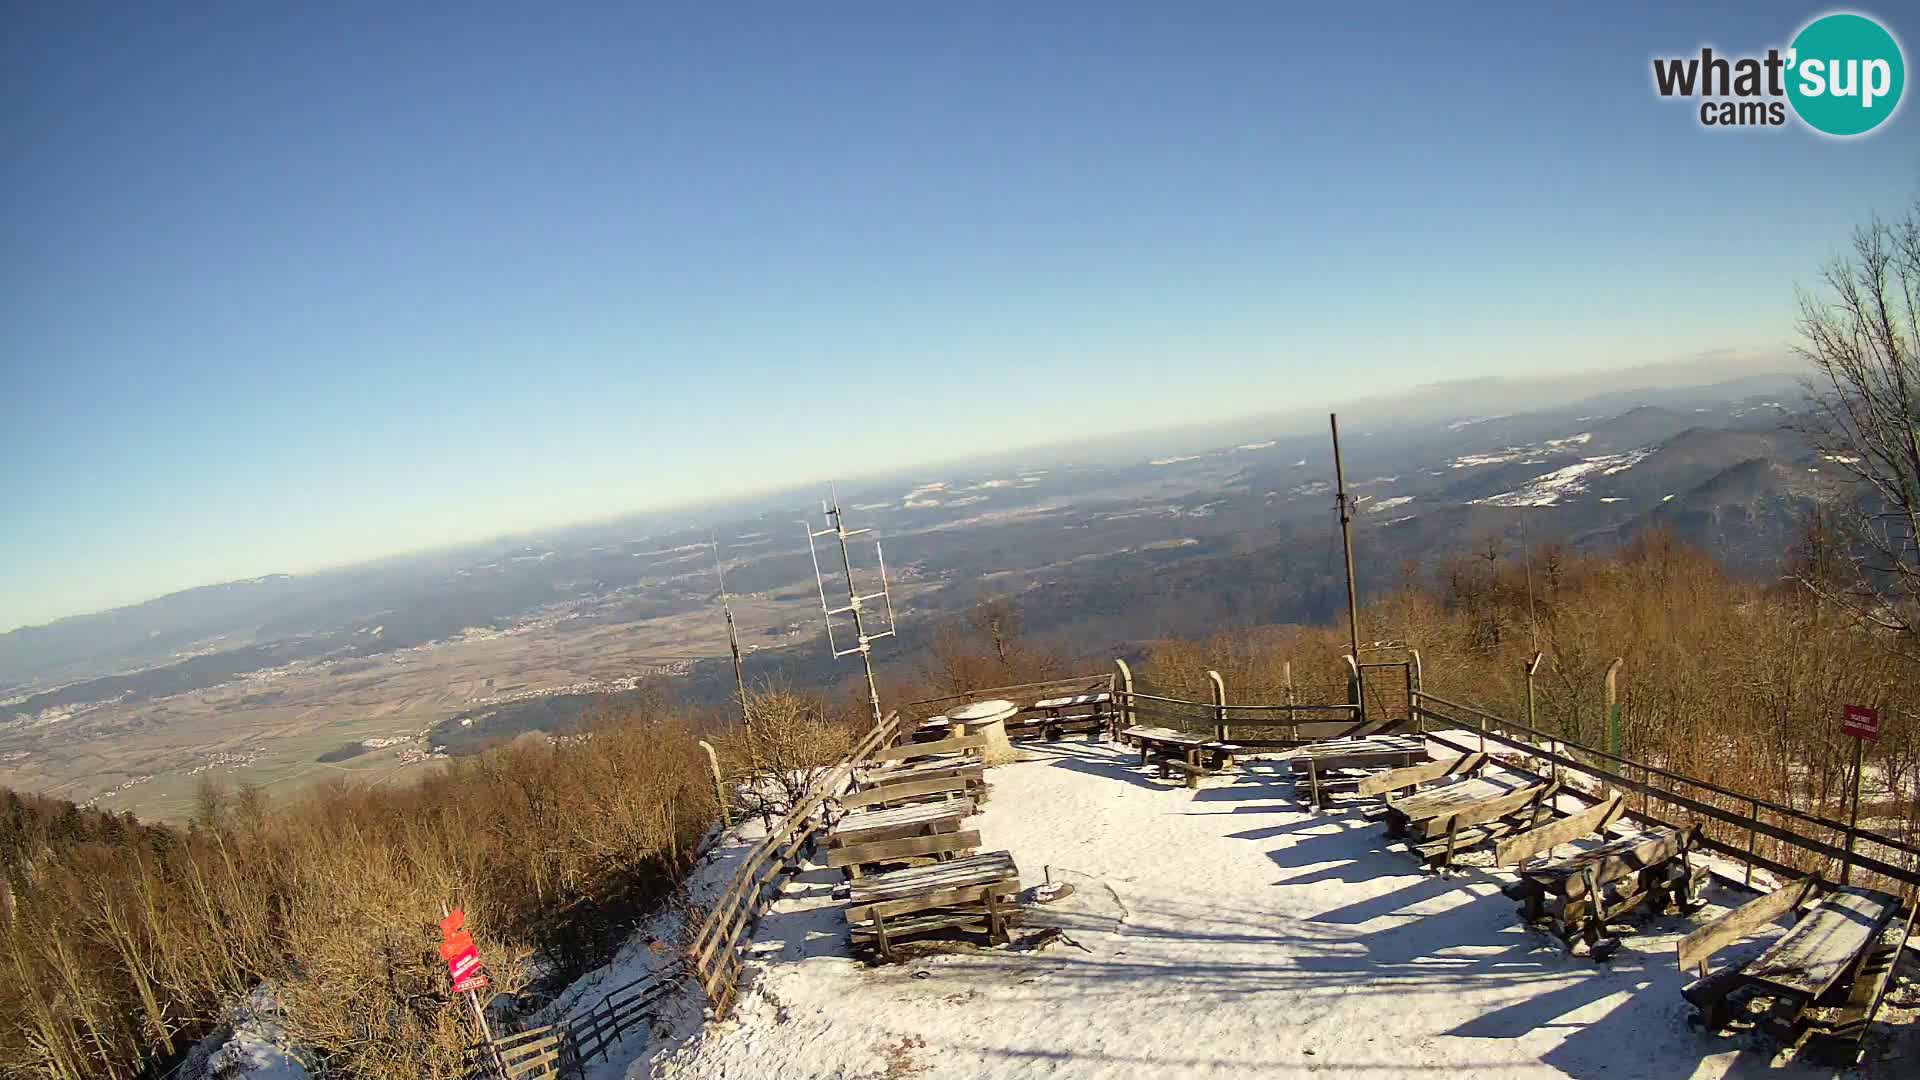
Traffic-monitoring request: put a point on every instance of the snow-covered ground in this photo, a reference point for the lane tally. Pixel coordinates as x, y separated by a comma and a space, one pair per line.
1224, 932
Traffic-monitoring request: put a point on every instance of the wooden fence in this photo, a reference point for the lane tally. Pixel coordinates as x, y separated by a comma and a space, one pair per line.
715, 955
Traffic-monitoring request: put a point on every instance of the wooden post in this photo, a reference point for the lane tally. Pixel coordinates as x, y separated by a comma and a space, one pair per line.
1532, 670
1752, 837
719, 785
1125, 704
1354, 696
1613, 707
1415, 677
1220, 730
1853, 817
1286, 673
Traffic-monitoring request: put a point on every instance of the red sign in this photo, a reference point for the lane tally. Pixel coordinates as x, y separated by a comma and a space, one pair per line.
460, 953
1861, 723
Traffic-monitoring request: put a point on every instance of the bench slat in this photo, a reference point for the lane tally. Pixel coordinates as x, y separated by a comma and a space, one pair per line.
1595, 819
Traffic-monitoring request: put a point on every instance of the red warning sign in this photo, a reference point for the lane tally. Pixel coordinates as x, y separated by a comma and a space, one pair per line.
460, 953
1861, 722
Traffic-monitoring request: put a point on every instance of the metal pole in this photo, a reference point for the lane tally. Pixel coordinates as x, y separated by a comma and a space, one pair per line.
1853, 818
1346, 543
733, 643
1753, 837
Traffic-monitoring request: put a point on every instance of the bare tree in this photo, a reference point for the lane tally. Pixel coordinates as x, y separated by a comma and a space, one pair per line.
1860, 330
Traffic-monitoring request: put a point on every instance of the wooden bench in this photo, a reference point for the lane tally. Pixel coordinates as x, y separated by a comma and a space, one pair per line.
1186, 753
1578, 896
1073, 712
1811, 975
860, 859
900, 822
977, 893
1314, 762
1408, 779
914, 751
1443, 822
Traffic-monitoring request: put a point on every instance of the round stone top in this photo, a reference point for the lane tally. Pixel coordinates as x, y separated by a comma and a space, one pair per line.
982, 710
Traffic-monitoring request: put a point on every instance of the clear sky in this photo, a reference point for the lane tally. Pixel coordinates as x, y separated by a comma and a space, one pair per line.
283, 290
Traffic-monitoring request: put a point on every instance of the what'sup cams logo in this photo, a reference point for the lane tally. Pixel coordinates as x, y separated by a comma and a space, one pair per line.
1842, 75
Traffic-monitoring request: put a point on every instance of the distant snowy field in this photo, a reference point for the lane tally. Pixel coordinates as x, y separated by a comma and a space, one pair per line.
1218, 933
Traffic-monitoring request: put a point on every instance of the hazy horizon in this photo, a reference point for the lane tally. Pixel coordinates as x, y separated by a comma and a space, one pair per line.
293, 290
1309, 416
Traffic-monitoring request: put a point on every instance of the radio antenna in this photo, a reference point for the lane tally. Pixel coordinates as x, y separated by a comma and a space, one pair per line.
856, 604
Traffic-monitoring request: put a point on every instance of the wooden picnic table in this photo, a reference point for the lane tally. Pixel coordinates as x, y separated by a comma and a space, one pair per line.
917, 819
976, 892
1572, 895
1061, 711
1376, 751
1444, 821
1437, 802
1825, 945
1315, 761
1824, 976
1190, 753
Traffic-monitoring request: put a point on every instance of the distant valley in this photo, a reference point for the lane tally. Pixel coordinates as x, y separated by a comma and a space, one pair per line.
371, 671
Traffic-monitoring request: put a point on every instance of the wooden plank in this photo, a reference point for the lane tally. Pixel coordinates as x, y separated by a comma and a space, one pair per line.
1518, 849
1827, 943
907, 792
926, 770
956, 896
889, 850
1358, 759
975, 869
1072, 700
1698, 947
906, 751
1482, 810
1438, 800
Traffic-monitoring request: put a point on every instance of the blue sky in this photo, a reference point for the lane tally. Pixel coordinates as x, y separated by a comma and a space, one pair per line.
284, 290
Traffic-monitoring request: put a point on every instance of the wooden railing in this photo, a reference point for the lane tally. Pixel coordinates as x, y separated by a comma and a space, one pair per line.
714, 956
1735, 820
1021, 694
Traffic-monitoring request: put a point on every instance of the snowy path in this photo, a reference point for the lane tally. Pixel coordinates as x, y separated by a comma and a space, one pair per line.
1223, 932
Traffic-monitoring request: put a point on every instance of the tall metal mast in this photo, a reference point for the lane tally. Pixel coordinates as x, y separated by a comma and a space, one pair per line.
733, 639
856, 603
1346, 538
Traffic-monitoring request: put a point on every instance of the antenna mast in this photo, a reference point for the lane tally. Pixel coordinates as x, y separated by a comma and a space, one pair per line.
733, 638
1346, 537
856, 603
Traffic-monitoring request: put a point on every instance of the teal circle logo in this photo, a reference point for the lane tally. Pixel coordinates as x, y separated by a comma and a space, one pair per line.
1845, 74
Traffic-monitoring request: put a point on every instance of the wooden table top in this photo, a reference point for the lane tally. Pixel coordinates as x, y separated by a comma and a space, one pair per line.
1384, 744
1807, 960
1167, 735
983, 869
860, 822
1442, 800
